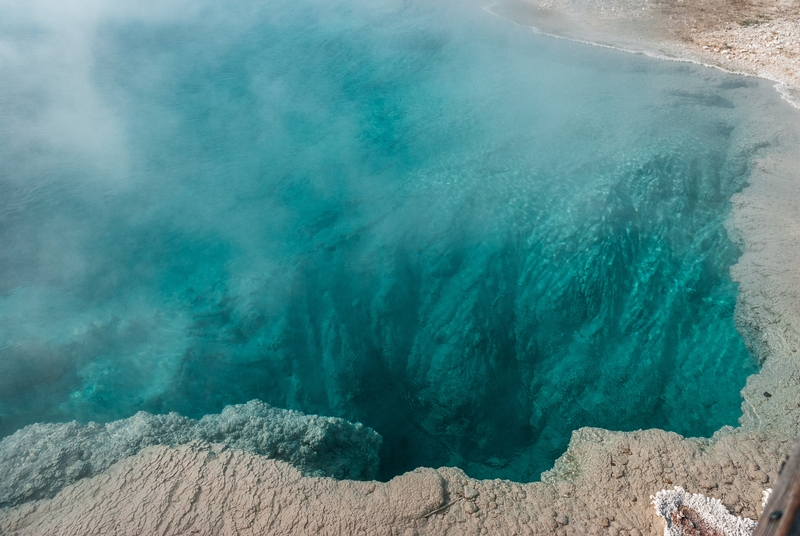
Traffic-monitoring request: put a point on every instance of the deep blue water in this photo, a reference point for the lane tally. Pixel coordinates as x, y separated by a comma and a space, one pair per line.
411, 214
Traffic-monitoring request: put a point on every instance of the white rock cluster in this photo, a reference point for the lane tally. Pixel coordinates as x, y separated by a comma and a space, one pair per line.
692, 513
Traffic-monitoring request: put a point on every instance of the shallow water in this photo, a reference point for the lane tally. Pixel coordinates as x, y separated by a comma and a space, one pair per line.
411, 214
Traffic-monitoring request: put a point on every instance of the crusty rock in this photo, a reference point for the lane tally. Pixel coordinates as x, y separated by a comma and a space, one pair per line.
205, 489
690, 514
39, 460
200, 488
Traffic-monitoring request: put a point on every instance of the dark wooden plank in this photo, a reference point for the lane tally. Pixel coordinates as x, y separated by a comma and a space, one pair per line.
781, 517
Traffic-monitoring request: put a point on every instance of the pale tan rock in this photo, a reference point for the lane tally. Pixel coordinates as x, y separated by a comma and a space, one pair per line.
212, 490
759, 38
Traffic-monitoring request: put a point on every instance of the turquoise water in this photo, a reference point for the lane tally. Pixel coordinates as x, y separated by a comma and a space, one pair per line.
411, 214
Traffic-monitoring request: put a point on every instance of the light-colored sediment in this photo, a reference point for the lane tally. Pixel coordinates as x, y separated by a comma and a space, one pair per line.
601, 486
41, 459
603, 483
687, 514
756, 37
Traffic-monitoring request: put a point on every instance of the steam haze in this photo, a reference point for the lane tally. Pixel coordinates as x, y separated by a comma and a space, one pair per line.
411, 214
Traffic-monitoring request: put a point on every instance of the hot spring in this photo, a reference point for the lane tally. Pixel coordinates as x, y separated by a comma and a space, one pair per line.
412, 214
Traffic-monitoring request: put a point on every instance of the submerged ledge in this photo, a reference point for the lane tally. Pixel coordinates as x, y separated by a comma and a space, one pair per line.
601, 485
42, 459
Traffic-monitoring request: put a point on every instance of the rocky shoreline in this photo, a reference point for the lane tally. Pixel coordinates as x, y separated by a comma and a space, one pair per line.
755, 38
603, 483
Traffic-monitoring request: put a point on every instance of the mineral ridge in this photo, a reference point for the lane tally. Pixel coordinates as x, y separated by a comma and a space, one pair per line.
41, 459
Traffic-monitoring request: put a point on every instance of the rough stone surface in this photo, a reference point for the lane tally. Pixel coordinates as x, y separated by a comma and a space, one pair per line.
205, 489
692, 514
201, 488
39, 460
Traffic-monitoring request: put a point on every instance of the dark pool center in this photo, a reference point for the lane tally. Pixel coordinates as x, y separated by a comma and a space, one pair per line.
412, 214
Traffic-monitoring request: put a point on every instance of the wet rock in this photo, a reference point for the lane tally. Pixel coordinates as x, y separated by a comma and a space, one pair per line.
41, 459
